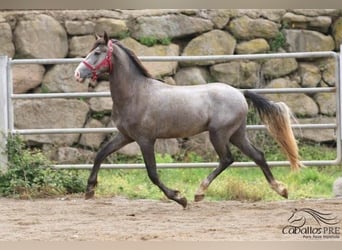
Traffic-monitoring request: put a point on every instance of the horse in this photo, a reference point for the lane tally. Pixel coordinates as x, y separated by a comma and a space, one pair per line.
145, 109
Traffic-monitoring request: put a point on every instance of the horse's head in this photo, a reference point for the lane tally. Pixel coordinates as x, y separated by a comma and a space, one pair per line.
99, 60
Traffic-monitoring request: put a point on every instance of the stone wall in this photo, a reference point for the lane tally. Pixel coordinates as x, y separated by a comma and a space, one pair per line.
66, 34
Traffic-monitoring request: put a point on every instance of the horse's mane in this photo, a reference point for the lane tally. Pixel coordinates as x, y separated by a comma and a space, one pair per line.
98, 42
134, 58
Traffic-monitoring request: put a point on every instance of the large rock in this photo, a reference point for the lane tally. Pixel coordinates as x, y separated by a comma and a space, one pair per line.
240, 74
199, 144
79, 27
328, 68
253, 46
326, 103
26, 77
157, 69
169, 80
162, 146
219, 17
7, 46
310, 75
101, 104
79, 46
319, 23
50, 113
246, 28
92, 140
167, 146
215, 42
278, 67
60, 78
317, 135
337, 33
317, 12
274, 15
40, 36
300, 104
113, 27
130, 149
307, 41
70, 155
191, 76
168, 26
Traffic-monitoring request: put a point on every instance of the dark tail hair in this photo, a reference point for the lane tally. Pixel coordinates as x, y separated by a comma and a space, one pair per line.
277, 118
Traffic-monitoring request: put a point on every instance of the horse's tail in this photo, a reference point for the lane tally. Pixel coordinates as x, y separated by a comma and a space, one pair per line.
277, 118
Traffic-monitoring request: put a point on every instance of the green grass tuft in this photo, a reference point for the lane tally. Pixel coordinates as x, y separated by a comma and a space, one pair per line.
248, 184
29, 174
151, 41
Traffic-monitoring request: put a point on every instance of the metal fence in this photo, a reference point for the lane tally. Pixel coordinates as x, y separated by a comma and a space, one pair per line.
7, 96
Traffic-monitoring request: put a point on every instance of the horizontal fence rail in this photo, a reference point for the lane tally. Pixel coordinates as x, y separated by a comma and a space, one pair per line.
220, 58
193, 165
107, 94
192, 58
112, 130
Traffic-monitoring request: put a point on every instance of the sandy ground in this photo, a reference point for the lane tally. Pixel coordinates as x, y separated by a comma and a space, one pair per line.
74, 219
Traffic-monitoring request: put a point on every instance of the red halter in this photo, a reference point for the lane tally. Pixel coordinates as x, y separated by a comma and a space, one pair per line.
106, 62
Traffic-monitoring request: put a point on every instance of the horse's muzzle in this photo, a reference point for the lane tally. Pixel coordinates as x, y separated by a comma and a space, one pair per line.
78, 77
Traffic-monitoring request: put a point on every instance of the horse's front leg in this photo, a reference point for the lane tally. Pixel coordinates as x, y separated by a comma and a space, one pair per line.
147, 149
115, 144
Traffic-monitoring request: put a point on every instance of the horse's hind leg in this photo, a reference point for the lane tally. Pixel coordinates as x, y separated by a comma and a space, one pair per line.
240, 140
147, 149
115, 144
220, 141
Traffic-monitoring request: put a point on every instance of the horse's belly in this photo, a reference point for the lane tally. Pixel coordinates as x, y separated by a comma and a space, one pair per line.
180, 132
182, 123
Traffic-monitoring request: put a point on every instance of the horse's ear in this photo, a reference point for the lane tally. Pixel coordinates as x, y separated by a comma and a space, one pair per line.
105, 37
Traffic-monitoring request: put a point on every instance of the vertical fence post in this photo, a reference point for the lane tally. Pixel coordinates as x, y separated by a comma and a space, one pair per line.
3, 112
339, 82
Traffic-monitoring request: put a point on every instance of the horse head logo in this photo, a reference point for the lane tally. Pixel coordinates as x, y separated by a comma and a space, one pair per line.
300, 217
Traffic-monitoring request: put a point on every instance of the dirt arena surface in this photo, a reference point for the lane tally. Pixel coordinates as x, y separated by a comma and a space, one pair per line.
110, 219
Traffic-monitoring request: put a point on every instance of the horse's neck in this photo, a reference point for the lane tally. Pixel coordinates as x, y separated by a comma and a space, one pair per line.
125, 82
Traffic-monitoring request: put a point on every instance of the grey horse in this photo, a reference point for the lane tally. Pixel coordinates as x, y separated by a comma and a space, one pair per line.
145, 109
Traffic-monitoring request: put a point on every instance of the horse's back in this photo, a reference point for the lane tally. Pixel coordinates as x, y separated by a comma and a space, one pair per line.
225, 97
216, 97
229, 106
221, 103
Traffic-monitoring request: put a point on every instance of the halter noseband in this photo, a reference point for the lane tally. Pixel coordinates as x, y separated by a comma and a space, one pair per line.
106, 62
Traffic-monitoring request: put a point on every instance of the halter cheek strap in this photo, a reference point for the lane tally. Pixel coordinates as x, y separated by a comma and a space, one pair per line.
106, 62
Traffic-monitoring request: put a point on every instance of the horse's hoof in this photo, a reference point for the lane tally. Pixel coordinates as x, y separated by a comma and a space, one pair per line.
179, 198
199, 197
285, 193
280, 188
89, 195
183, 201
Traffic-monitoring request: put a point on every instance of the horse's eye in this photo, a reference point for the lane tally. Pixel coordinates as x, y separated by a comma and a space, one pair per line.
97, 52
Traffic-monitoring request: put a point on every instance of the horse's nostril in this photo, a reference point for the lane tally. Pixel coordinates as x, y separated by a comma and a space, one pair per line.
77, 74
